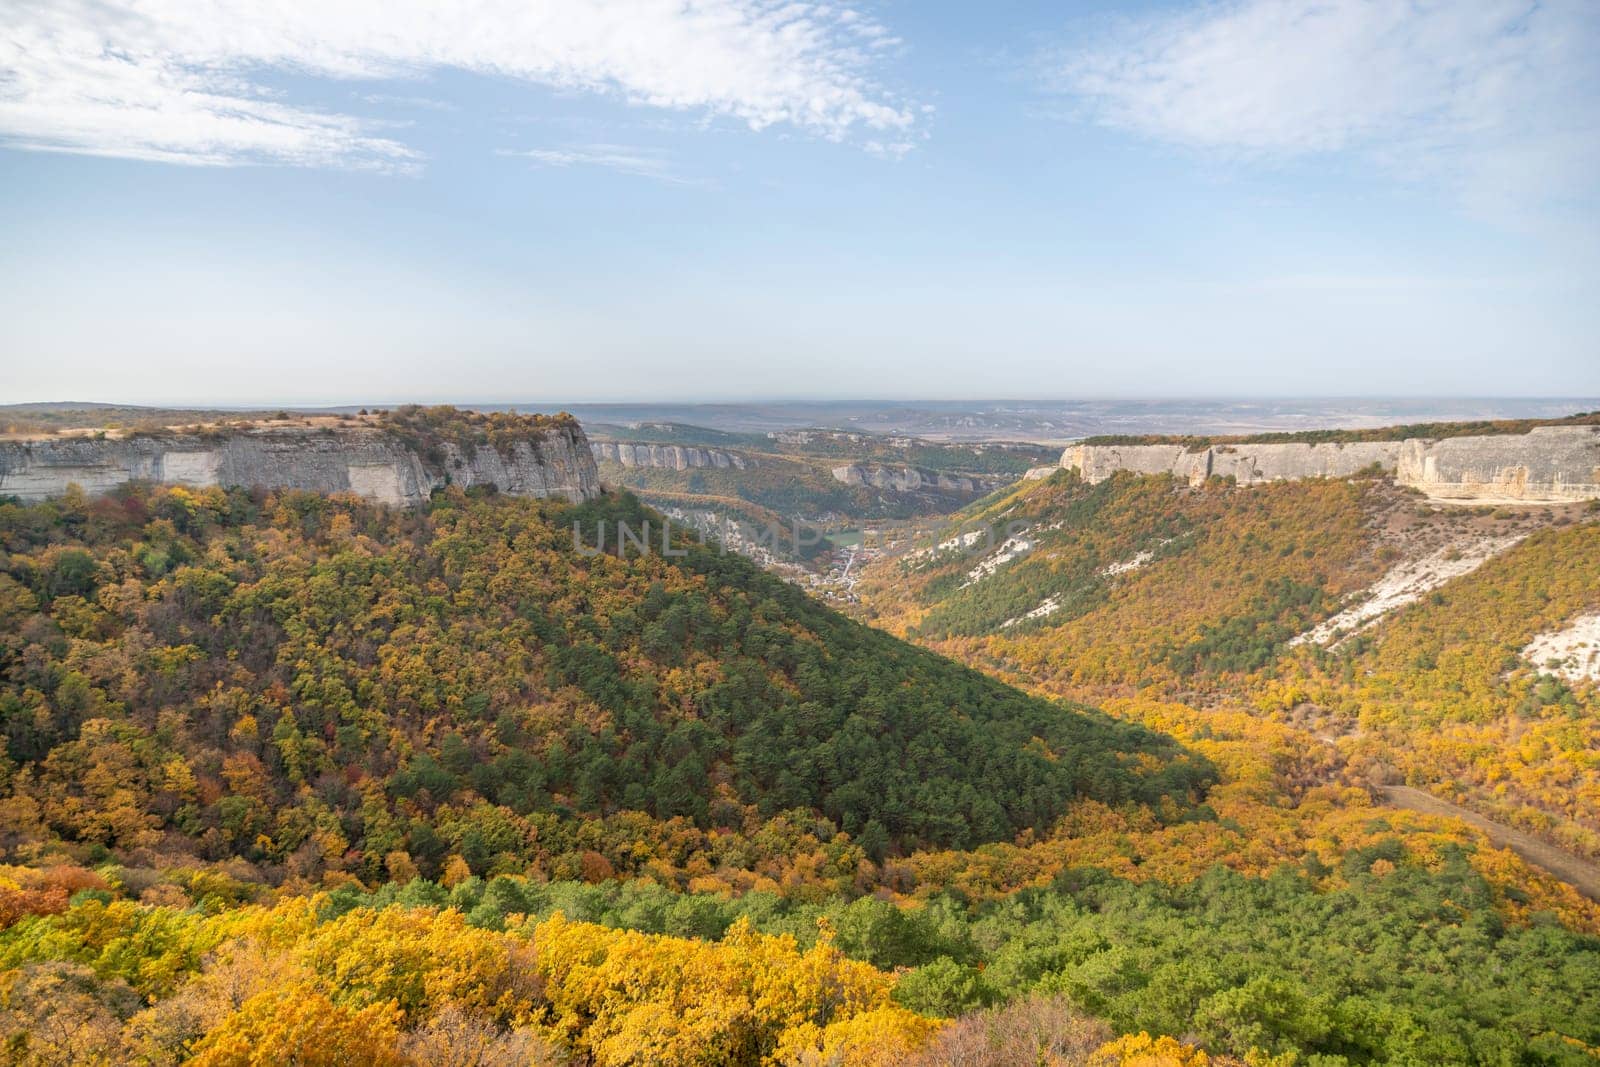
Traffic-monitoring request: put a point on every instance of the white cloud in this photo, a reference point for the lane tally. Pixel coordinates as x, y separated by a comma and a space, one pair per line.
1500, 99
627, 159
180, 80
422, 103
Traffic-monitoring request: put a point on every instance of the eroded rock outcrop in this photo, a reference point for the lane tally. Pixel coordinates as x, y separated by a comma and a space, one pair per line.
909, 479
1547, 464
368, 461
1553, 463
670, 457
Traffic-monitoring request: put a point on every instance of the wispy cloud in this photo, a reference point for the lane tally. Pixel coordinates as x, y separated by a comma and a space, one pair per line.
422, 103
181, 80
1499, 99
627, 159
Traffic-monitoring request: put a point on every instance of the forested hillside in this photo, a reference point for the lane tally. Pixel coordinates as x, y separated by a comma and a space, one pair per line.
1138, 582
312, 683
1392, 628
1445, 694
1116, 560
303, 779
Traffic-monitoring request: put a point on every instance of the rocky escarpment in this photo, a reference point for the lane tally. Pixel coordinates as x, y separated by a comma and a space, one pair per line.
1248, 463
1547, 464
670, 457
369, 461
910, 479
1552, 463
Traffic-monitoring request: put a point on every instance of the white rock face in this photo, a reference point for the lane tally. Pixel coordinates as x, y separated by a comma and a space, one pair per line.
1407, 582
191, 468
960, 541
1133, 563
1549, 464
31, 482
1048, 606
1011, 548
381, 482
1573, 651
1276, 462
1096, 463
908, 479
369, 462
671, 457
555, 463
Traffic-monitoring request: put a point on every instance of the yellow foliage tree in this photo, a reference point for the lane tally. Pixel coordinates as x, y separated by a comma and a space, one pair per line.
624, 997
300, 1025
1142, 1050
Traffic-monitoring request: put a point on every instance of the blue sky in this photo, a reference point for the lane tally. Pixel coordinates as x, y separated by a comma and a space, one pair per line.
215, 202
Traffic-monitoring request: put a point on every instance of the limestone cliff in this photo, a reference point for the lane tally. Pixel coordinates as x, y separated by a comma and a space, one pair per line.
909, 479
670, 457
1552, 463
370, 461
1249, 463
1546, 464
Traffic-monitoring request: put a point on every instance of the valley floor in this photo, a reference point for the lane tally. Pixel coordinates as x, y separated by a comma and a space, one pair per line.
1577, 872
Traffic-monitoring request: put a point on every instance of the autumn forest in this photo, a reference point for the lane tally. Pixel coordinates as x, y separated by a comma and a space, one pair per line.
303, 778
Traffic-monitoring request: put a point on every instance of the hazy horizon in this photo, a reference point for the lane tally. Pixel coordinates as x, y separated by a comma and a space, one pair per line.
801, 399
1044, 421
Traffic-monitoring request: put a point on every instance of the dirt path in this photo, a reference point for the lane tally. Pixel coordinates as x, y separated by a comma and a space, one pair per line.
1579, 873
